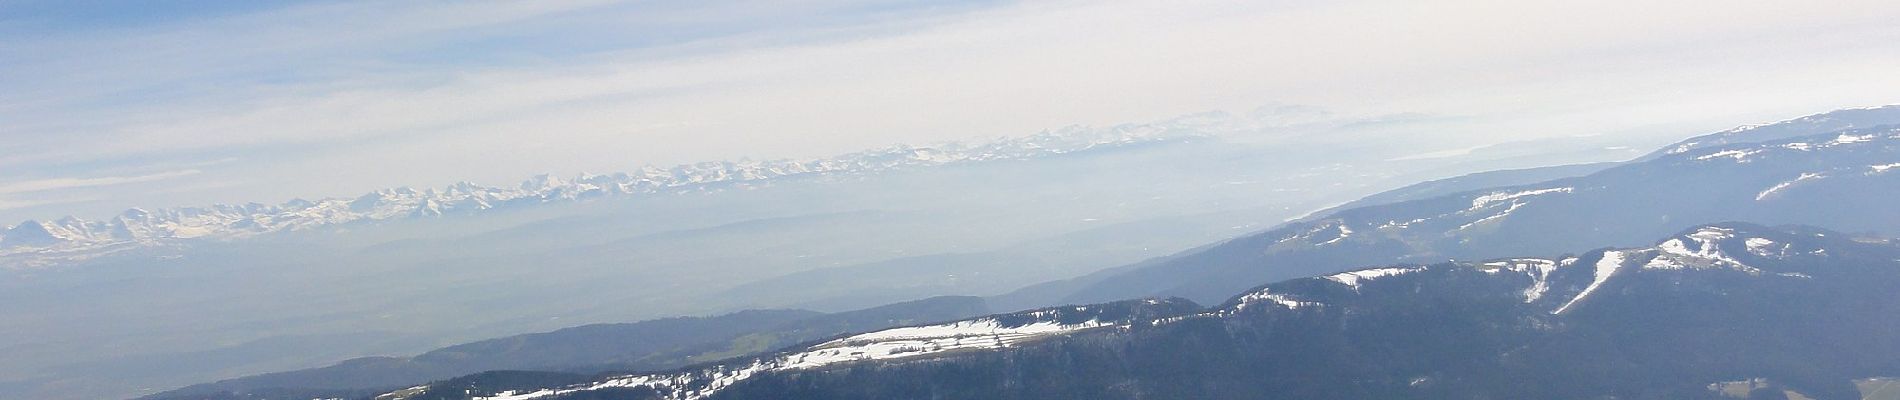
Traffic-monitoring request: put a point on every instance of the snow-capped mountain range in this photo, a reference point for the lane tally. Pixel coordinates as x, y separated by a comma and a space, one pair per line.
39, 243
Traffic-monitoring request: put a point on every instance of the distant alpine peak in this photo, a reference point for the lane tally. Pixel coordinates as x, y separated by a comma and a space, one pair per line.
41, 243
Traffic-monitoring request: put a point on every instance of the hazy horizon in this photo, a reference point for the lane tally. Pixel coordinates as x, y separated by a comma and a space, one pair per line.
194, 103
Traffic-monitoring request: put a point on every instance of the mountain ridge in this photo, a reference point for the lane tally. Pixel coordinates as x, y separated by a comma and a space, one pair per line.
1371, 332
1837, 120
1787, 180
660, 343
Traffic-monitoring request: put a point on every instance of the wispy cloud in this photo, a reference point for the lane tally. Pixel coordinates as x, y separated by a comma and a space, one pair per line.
55, 192
42, 185
11, 204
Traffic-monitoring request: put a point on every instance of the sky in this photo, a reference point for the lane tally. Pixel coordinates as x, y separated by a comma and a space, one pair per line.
106, 105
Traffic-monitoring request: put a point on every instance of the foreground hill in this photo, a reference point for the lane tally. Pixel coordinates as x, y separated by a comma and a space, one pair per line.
1792, 309
656, 344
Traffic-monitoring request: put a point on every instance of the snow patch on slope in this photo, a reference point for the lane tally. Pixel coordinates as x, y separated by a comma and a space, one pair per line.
1805, 176
889, 344
1491, 200
1699, 250
1267, 296
1611, 262
1343, 233
1354, 278
1500, 215
1847, 139
1767, 248
1487, 200
1878, 169
1537, 269
1338, 227
1736, 155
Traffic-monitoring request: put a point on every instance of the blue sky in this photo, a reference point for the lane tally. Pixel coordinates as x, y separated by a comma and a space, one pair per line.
114, 104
